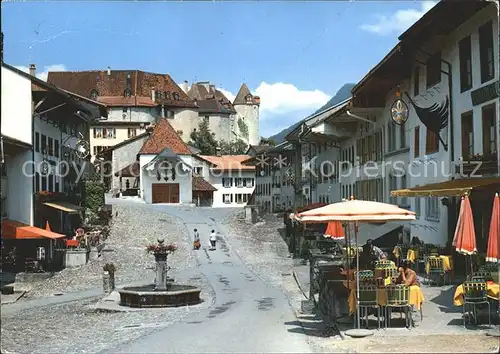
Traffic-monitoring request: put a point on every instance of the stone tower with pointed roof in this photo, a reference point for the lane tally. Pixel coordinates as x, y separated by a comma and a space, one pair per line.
247, 107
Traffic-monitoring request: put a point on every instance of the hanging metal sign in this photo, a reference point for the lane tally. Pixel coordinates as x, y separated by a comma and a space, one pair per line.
399, 112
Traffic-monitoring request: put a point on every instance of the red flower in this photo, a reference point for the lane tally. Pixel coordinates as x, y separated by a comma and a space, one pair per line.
161, 248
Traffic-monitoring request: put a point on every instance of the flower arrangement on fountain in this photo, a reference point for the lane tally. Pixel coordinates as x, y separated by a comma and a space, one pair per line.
161, 249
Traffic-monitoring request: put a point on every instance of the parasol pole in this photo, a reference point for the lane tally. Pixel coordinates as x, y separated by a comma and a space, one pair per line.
357, 273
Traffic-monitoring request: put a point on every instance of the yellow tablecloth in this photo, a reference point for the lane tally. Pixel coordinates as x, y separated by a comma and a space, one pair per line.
416, 297
447, 264
412, 255
491, 288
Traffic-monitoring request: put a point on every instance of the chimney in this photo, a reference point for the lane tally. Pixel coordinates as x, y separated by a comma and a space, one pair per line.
109, 70
153, 95
218, 151
32, 69
185, 86
256, 100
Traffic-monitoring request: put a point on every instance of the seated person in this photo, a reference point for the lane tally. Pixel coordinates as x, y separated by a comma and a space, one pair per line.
407, 276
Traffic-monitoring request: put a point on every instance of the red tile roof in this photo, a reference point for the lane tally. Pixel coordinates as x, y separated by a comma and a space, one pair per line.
111, 88
201, 185
163, 137
229, 162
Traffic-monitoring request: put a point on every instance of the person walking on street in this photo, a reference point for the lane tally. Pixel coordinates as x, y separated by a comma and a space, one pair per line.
213, 239
196, 242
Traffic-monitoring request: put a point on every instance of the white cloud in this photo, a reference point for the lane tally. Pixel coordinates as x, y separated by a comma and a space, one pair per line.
228, 94
398, 21
43, 74
283, 105
280, 98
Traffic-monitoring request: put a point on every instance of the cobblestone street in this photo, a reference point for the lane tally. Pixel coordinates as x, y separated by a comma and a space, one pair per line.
76, 326
131, 230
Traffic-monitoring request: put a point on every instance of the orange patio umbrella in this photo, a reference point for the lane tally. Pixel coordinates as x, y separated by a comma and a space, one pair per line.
464, 239
493, 252
334, 230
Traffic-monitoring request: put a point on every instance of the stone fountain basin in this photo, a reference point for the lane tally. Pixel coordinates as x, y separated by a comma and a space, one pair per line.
146, 296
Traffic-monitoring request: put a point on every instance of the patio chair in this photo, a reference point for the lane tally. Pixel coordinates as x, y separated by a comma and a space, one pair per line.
398, 296
475, 294
480, 276
364, 275
436, 268
368, 299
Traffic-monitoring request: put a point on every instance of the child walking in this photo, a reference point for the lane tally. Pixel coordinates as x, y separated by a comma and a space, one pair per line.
213, 239
196, 243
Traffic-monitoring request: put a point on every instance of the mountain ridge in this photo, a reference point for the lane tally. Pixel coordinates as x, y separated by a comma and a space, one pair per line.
342, 94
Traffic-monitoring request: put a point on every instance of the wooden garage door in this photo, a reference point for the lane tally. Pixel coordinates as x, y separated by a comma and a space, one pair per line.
165, 192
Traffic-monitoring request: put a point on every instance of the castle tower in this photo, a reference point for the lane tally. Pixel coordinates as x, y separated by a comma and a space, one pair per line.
247, 107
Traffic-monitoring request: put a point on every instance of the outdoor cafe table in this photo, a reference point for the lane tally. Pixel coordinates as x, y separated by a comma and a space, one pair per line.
492, 290
416, 295
411, 255
447, 264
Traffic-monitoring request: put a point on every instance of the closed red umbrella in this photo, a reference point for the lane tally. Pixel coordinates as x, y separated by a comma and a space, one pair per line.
465, 236
334, 230
47, 226
492, 254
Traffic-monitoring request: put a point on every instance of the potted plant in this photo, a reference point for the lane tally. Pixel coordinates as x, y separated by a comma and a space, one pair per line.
109, 277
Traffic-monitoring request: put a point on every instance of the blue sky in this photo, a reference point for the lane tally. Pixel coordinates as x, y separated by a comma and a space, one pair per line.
295, 55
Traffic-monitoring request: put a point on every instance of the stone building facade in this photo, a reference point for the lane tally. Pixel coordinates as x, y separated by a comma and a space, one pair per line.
136, 99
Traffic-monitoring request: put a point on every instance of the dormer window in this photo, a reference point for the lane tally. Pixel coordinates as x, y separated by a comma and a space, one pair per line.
127, 93
94, 94
129, 81
167, 95
159, 95
176, 96
249, 99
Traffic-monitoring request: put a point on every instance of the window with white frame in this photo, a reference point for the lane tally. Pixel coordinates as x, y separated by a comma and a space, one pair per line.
391, 136
246, 197
432, 208
132, 132
248, 182
97, 132
227, 182
393, 185
404, 200
238, 182
239, 198
227, 198
198, 171
110, 133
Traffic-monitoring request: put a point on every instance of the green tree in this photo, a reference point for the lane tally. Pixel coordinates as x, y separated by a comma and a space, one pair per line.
203, 139
243, 128
237, 147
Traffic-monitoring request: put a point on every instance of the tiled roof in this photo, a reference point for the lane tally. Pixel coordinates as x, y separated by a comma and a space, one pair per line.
242, 94
229, 162
164, 137
210, 100
201, 185
111, 88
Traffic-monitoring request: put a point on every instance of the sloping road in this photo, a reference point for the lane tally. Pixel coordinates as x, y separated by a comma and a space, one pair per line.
248, 315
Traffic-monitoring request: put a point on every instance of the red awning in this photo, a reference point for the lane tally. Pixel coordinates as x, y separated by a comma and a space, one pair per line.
12, 229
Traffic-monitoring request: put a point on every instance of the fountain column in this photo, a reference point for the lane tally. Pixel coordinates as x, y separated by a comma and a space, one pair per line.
161, 272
